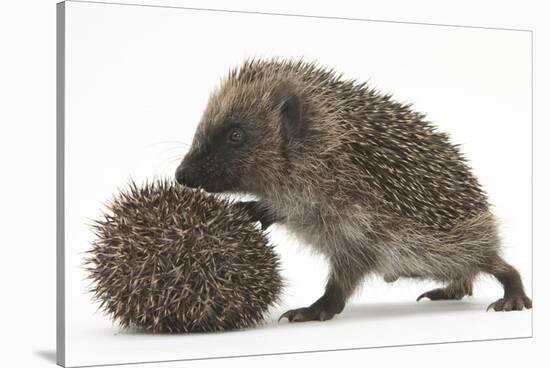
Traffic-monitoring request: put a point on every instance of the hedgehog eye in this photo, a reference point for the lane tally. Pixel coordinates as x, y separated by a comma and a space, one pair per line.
236, 136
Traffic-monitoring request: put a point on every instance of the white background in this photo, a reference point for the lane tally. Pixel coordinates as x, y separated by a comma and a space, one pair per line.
30, 272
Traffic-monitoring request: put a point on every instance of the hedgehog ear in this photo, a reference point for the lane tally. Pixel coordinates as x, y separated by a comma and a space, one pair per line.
290, 108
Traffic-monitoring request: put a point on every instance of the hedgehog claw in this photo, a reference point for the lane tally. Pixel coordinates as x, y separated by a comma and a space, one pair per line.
258, 212
296, 315
443, 294
511, 303
285, 315
421, 296
312, 313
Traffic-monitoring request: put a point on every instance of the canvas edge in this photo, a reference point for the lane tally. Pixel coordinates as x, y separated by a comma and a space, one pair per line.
60, 180
60, 183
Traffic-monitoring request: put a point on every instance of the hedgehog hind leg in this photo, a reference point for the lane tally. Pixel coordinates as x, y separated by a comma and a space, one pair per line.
514, 295
455, 290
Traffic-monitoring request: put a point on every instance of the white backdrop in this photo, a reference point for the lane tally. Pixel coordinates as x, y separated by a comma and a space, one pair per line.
137, 81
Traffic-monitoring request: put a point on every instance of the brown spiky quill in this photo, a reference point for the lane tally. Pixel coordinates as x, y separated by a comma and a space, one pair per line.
169, 259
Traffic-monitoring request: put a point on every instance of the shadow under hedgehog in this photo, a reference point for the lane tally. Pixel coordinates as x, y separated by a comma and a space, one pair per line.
365, 180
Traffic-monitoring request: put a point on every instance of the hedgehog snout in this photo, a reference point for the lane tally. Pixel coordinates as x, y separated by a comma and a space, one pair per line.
184, 176
203, 171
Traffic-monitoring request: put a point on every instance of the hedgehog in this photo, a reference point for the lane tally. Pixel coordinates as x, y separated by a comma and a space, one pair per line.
363, 179
167, 259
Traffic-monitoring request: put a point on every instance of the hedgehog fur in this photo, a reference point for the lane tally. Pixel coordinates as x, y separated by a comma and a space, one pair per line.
169, 259
364, 179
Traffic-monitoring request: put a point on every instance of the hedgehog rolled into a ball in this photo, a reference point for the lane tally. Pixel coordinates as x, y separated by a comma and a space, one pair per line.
170, 259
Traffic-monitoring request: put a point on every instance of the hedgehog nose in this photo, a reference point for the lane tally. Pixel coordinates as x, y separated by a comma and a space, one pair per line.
183, 177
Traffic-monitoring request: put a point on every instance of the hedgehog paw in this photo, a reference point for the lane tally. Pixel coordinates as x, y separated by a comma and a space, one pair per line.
258, 212
441, 294
312, 313
510, 303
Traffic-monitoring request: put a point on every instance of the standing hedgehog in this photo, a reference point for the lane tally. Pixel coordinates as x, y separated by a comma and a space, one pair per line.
365, 180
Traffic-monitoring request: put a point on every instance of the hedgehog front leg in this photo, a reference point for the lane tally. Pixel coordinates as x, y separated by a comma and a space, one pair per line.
340, 286
260, 212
